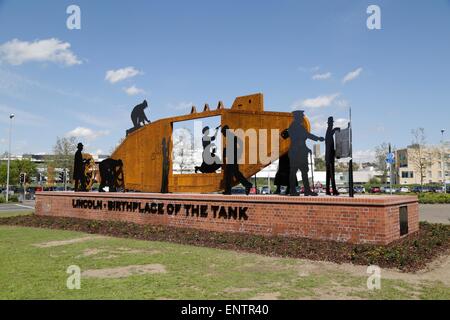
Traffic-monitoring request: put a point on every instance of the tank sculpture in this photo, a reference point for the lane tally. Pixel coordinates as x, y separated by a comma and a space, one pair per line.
146, 153
90, 170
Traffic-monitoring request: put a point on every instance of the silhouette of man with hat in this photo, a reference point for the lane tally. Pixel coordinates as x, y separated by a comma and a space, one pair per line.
78, 170
330, 155
298, 152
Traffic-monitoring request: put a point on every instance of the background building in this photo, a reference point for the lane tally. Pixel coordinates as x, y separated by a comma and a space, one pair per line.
423, 164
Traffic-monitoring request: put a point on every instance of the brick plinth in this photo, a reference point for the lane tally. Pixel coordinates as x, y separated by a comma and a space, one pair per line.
364, 219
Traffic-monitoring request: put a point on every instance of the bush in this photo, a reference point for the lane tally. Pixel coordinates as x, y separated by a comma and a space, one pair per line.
12, 198
434, 198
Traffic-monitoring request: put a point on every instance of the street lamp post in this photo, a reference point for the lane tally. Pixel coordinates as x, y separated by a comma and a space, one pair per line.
444, 176
11, 117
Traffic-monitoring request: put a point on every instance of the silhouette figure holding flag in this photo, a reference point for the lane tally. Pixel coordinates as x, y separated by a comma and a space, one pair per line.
330, 155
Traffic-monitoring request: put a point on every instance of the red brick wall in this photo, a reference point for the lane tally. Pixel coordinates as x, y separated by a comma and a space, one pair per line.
364, 219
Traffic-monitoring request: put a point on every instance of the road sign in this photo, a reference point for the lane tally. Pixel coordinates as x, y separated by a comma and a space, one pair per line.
390, 158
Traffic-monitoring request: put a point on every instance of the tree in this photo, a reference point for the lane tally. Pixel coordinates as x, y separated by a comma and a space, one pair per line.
183, 153
28, 167
3, 173
64, 151
343, 167
319, 164
16, 168
420, 156
381, 152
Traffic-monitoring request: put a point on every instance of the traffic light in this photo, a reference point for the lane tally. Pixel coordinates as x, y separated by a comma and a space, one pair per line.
62, 176
22, 178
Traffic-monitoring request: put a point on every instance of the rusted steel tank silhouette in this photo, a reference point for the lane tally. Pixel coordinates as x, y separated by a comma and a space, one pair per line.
146, 153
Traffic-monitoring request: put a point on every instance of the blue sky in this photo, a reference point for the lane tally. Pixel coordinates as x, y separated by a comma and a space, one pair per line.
192, 52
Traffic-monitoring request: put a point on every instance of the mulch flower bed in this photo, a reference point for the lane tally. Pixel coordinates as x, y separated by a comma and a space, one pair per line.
408, 254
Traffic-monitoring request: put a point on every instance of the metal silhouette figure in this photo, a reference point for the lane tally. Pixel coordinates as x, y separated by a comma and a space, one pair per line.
298, 153
165, 167
330, 155
78, 169
231, 165
211, 162
282, 175
138, 116
111, 173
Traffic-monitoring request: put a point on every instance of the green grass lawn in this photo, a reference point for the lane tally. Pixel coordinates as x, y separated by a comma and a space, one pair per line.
33, 266
4, 214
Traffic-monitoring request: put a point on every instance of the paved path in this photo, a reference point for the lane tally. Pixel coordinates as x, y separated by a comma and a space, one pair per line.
14, 207
435, 213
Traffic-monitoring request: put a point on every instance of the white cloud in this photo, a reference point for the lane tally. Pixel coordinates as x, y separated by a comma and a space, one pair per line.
319, 102
115, 76
133, 90
341, 123
96, 152
17, 52
352, 75
181, 105
86, 133
320, 123
322, 76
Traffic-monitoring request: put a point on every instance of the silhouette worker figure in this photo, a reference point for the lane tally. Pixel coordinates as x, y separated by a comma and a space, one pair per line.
231, 165
138, 115
330, 155
109, 171
78, 170
211, 163
298, 153
282, 175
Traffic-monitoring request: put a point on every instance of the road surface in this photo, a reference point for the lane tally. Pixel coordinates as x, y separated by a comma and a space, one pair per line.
435, 213
14, 207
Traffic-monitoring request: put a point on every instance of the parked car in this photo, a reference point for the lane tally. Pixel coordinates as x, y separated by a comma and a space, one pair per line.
404, 189
265, 190
437, 189
388, 190
375, 190
238, 190
359, 189
419, 189
343, 190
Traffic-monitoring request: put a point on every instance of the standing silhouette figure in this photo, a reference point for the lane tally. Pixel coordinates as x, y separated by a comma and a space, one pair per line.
298, 153
231, 163
78, 170
330, 155
282, 175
